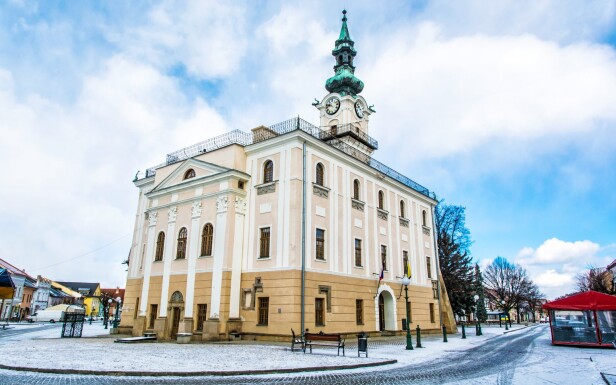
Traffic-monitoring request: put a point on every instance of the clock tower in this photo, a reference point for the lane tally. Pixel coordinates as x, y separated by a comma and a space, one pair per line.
345, 113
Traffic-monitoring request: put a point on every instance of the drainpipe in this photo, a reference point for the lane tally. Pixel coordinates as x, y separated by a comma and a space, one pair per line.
303, 312
439, 276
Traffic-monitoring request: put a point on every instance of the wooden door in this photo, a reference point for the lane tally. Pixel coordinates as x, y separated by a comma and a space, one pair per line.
381, 313
175, 322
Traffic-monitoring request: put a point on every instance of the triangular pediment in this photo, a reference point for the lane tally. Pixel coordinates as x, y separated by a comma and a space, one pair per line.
202, 170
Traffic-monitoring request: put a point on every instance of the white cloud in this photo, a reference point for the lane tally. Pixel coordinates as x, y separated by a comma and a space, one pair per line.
488, 88
556, 251
551, 279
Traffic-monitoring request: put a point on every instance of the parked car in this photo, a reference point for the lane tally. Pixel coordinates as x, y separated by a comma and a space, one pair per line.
544, 320
54, 314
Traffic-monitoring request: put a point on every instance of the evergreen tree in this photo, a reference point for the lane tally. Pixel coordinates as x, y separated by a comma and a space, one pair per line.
482, 313
455, 261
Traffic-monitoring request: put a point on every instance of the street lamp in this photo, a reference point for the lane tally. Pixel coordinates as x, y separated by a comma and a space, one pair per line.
506, 316
107, 312
409, 340
116, 320
477, 322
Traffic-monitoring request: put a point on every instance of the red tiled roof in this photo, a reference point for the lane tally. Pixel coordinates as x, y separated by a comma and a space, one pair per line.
14, 270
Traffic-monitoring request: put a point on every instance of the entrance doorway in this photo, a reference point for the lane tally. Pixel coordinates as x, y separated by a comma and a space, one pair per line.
381, 313
175, 322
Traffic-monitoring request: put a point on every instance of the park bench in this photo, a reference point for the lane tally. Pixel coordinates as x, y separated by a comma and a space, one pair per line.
297, 340
322, 339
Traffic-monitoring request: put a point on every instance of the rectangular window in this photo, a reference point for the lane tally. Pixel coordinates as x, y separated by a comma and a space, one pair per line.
406, 269
320, 244
264, 249
319, 313
263, 311
429, 267
201, 315
153, 314
432, 313
357, 252
384, 257
359, 311
435, 289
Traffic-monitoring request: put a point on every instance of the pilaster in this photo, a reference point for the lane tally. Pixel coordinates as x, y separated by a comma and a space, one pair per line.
169, 248
143, 305
193, 251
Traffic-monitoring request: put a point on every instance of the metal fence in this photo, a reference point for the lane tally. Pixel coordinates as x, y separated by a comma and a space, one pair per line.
268, 132
72, 327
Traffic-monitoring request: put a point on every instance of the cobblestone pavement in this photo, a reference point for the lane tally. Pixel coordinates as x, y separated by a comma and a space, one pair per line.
492, 362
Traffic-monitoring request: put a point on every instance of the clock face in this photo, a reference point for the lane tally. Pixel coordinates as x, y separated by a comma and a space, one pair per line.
332, 105
359, 110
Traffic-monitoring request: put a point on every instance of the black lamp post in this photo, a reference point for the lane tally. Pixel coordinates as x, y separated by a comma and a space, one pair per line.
106, 321
116, 319
409, 340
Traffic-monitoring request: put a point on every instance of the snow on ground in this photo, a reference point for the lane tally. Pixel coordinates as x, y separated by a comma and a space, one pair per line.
96, 350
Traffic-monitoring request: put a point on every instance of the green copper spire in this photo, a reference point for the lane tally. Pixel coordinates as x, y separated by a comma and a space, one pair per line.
344, 81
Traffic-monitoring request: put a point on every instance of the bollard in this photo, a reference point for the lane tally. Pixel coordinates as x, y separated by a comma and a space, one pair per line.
444, 333
479, 329
419, 337
463, 332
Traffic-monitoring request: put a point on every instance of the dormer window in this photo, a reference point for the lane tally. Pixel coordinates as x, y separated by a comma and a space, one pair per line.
190, 173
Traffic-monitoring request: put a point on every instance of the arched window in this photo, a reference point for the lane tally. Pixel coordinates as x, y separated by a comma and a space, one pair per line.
181, 253
381, 200
423, 218
402, 209
320, 173
356, 189
268, 171
160, 247
190, 173
206, 239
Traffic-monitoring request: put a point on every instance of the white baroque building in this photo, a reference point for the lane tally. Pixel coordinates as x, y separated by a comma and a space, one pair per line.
289, 226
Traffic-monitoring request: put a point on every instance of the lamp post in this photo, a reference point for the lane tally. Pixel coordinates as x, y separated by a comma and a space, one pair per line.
106, 320
409, 340
116, 320
506, 316
477, 315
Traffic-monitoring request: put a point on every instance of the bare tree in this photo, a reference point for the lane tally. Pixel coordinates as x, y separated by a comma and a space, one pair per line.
506, 284
596, 279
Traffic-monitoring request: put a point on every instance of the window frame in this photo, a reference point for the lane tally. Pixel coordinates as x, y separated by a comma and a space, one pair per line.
190, 173
265, 241
381, 198
358, 253
181, 245
207, 240
268, 171
402, 208
160, 247
356, 189
263, 312
429, 267
319, 174
201, 316
319, 244
359, 311
384, 257
319, 312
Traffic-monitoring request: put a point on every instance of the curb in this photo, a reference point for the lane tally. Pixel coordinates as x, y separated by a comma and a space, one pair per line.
524, 328
194, 374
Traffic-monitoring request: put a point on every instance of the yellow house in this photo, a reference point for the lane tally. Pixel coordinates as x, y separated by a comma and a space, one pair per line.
90, 292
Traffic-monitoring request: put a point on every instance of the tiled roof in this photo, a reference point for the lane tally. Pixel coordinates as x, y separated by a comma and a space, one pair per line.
81, 287
14, 270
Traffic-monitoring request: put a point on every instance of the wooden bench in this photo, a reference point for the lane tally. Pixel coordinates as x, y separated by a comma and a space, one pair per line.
322, 339
297, 340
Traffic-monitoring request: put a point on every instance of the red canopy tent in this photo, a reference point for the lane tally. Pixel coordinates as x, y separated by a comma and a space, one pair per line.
588, 319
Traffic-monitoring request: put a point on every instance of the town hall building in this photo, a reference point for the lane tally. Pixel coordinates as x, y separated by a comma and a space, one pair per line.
288, 226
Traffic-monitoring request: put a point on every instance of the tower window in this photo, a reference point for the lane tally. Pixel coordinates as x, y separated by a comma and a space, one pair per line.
356, 189
381, 200
268, 171
423, 218
320, 245
402, 209
320, 173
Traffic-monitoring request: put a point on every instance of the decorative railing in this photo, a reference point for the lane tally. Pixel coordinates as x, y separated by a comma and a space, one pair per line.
329, 136
352, 130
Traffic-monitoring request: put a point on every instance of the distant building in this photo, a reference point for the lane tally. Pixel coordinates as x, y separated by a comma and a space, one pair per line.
25, 286
223, 232
90, 293
41, 298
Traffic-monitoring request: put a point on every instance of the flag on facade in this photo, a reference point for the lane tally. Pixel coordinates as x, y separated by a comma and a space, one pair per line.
381, 275
408, 269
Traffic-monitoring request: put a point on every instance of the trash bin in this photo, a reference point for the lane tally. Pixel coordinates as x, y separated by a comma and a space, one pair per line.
362, 344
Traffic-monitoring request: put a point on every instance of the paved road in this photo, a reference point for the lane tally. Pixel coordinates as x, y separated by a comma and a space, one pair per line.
27, 329
493, 362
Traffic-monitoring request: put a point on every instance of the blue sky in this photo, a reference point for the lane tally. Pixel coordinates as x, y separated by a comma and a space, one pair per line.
508, 109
